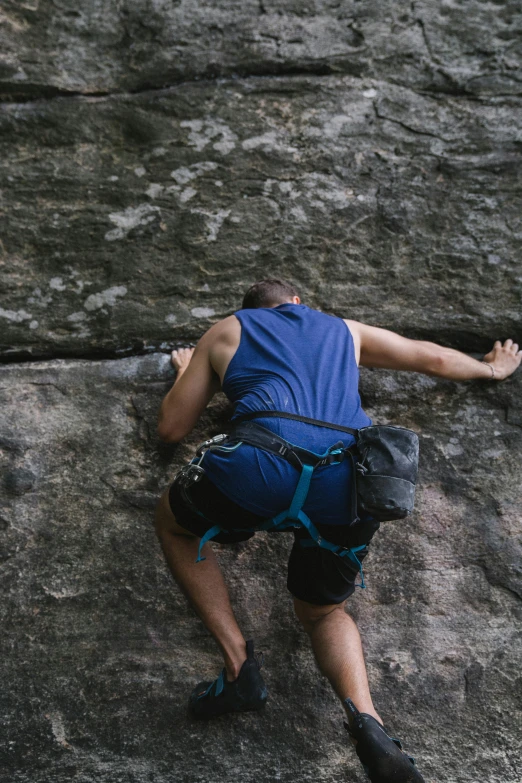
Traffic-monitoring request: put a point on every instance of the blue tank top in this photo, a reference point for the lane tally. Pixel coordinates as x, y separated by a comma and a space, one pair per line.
295, 359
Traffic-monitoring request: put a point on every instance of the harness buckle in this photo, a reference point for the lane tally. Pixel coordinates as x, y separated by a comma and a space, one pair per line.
216, 440
188, 475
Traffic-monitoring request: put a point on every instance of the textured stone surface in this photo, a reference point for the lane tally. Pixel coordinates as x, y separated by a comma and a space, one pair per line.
100, 649
371, 153
456, 46
136, 220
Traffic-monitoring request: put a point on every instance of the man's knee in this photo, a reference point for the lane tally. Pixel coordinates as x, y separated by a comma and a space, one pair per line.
311, 614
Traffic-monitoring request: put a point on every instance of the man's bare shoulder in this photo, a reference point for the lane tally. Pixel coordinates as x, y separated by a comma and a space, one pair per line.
224, 331
221, 342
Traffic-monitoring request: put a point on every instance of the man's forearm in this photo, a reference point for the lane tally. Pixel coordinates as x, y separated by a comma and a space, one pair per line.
457, 366
180, 361
168, 397
498, 364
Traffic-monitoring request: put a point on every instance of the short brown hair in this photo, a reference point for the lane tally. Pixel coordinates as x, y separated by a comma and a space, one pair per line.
268, 293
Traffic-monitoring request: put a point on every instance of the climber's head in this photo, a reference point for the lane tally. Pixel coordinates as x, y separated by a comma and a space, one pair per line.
270, 293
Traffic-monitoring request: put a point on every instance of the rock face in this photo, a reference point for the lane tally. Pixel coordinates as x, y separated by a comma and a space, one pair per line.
154, 212
94, 47
101, 648
155, 159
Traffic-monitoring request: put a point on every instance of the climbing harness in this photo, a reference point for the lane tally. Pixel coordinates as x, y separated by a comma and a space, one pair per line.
383, 475
292, 518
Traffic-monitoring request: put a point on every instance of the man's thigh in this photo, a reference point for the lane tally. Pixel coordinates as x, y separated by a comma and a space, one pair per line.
202, 505
165, 520
319, 577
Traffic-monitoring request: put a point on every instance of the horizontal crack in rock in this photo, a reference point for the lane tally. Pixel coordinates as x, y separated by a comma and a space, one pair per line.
35, 92
11, 94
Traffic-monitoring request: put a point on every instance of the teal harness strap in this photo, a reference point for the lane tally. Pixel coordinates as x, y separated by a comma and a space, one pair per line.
294, 517
214, 531
301, 492
317, 540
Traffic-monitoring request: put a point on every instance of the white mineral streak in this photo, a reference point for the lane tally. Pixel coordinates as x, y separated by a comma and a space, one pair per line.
325, 192
154, 190
107, 297
333, 126
371, 93
269, 142
171, 319
58, 728
214, 221
16, 316
299, 214
202, 312
202, 132
75, 317
39, 299
288, 189
187, 173
129, 219
57, 283
187, 194
318, 190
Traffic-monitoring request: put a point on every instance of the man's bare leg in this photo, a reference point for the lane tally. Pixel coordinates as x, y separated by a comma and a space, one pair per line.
338, 651
203, 584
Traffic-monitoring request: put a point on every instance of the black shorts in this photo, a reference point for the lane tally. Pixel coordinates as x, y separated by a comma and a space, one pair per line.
314, 574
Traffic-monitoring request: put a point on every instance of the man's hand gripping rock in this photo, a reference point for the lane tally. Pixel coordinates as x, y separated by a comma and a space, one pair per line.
503, 359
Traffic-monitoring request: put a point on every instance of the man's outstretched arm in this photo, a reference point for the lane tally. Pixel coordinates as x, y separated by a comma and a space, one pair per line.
382, 348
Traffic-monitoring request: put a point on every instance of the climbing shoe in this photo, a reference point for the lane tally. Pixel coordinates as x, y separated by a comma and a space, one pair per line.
382, 756
247, 692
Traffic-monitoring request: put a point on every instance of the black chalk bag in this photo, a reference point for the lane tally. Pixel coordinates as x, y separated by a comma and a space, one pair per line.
387, 462
385, 459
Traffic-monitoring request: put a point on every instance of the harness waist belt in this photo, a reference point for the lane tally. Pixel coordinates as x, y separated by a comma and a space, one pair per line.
261, 438
294, 417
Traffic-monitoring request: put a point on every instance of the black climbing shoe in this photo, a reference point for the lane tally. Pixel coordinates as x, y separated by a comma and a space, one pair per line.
381, 756
247, 692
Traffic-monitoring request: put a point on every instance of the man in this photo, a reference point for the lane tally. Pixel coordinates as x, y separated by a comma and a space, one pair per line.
277, 354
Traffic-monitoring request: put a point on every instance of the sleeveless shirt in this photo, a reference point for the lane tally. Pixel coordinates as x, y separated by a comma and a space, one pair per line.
296, 359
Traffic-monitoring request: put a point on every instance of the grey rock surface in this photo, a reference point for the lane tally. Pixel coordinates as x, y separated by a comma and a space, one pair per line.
470, 47
155, 159
138, 219
100, 650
